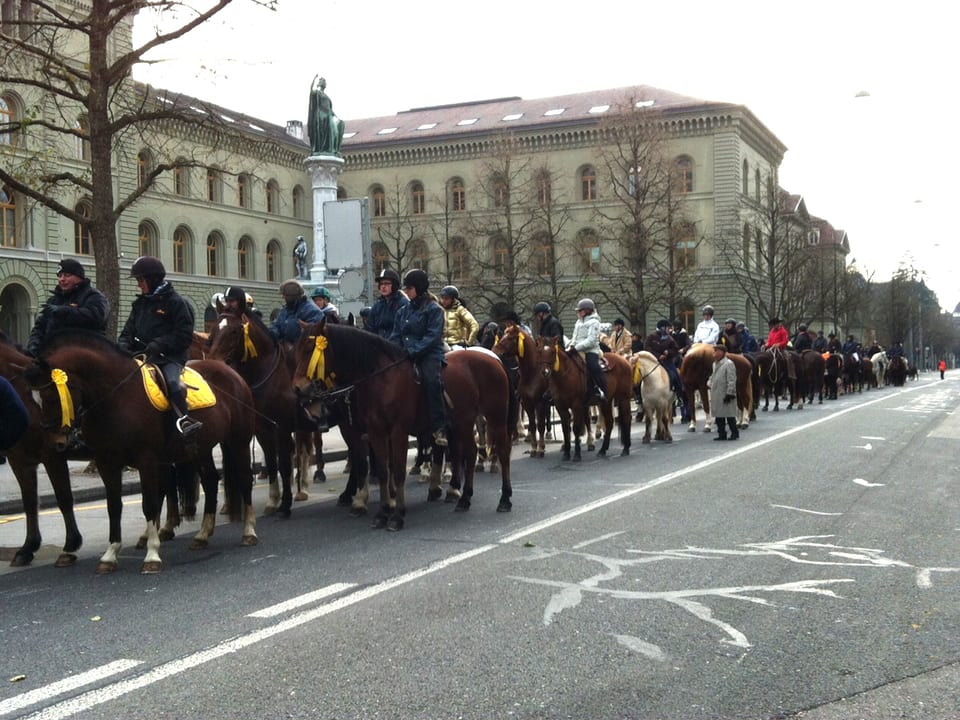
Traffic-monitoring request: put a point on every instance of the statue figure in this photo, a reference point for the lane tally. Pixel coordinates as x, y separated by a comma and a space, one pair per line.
324, 128
300, 258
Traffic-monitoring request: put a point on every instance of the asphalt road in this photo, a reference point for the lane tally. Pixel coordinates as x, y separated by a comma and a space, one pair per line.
809, 570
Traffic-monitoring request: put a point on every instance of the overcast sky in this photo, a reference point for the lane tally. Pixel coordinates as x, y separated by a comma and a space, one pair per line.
881, 166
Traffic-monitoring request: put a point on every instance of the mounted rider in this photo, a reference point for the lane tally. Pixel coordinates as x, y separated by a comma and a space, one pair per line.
708, 331
323, 299
748, 343
384, 311
161, 327
730, 337
802, 341
75, 303
286, 328
461, 326
778, 341
586, 340
550, 325
680, 336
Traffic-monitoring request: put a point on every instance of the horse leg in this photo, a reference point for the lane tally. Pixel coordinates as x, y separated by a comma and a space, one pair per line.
625, 418
649, 417
319, 475
26, 474
210, 480
150, 483
395, 519
463, 457
689, 396
564, 414
576, 446
606, 415
268, 443
238, 482
591, 445
112, 476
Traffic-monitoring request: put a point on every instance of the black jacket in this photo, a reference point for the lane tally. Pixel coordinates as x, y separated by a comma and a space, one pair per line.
163, 318
551, 327
84, 308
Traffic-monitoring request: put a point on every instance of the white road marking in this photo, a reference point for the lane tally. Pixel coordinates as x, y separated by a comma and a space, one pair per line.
871, 437
866, 483
64, 686
638, 645
868, 446
301, 600
812, 512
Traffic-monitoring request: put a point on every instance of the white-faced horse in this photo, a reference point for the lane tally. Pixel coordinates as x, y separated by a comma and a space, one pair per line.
656, 395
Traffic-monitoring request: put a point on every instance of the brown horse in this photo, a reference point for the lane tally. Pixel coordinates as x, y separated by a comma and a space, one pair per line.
810, 376
87, 384
773, 377
518, 343
696, 370
385, 398
26, 456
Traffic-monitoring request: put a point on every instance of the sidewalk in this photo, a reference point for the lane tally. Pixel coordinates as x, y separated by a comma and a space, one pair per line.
88, 487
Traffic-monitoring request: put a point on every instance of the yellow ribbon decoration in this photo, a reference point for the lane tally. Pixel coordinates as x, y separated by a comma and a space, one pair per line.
556, 364
249, 349
67, 414
637, 376
520, 342
317, 369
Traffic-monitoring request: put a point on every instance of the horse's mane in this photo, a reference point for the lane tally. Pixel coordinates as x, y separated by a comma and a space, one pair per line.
80, 338
361, 348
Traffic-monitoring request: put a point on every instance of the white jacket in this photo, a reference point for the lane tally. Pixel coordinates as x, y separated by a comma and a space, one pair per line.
586, 334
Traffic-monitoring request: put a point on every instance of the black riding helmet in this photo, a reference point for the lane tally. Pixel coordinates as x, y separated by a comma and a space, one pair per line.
150, 269
541, 307
418, 280
392, 275
450, 291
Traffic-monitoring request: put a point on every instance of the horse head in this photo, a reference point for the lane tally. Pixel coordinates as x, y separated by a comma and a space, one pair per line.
57, 395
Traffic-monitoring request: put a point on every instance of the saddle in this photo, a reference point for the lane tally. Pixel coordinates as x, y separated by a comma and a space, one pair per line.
199, 392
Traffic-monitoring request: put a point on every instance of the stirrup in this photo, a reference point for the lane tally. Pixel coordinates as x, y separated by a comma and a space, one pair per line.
440, 438
187, 426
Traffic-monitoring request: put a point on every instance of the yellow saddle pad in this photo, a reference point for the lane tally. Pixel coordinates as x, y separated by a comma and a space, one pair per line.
199, 393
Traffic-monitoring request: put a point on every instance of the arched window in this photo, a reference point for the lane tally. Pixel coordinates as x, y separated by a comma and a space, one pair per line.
181, 180
273, 197
381, 257
147, 235
683, 174
544, 188
458, 195
756, 182
501, 190
82, 241
542, 255
459, 259
214, 254
379, 198
182, 250
9, 114
686, 247
273, 261
244, 257
419, 258
589, 243
82, 129
8, 218
745, 260
214, 185
243, 191
299, 208
501, 256
588, 183
418, 203
144, 167
686, 313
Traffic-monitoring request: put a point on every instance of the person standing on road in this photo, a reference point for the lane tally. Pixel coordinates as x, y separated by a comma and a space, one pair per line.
723, 394
942, 367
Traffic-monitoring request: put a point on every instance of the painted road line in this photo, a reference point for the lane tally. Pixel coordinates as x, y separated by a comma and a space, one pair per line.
301, 600
64, 686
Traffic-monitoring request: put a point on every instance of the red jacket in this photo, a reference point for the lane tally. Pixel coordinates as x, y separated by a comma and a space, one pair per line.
779, 337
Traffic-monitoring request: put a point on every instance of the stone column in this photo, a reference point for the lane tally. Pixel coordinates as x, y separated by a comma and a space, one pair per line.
324, 171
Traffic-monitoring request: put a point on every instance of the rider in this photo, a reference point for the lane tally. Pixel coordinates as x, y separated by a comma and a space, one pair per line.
161, 326
385, 309
286, 328
730, 338
708, 331
802, 341
586, 340
75, 303
778, 341
833, 343
324, 300
235, 300
895, 351
748, 343
619, 339
550, 325
820, 342
418, 329
680, 336
461, 326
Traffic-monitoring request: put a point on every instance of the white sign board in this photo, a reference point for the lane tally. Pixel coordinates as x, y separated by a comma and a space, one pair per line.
343, 233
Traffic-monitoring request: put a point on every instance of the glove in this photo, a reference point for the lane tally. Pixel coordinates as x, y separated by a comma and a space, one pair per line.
59, 310
152, 349
729, 398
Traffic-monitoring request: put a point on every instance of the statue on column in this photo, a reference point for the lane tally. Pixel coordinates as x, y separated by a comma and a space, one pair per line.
300, 259
324, 128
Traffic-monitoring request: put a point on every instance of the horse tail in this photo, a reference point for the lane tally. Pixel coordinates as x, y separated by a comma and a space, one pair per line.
233, 497
188, 489
513, 410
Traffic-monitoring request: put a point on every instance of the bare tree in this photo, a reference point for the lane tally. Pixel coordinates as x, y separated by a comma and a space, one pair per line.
78, 64
399, 231
649, 240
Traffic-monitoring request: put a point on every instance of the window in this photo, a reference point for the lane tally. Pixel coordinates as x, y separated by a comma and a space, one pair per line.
9, 114
298, 204
181, 249
589, 243
588, 184
82, 242
10, 17
273, 261
501, 256
419, 257
756, 182
758, 248
458, 195
544, 189
746, 178
417, 199
686, 248
746, 247
273, 197
144, 167
634, 178
501, 191
82, 130
147, 235
683, 170
543, 255
214, 185
381, 257
244, 256
181, 181
687, 313
459, 259
214, 248
379, 201
243, 191
8, 218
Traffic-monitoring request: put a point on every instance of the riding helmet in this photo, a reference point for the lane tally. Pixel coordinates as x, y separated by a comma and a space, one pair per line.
586, 304
708, 310
148, 266
391, 275
802, 328
730, 321
292, 290
418, 280
235, 293
541, 307
663, 323
321, 292
450, 291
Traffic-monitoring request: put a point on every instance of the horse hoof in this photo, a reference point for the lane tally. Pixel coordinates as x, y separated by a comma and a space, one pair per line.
65, 560
224, 510
691, 429
452, 495
320, 476
249, 541
602, 454
166, 535
344, 500
434, 494
105, 568
504, 506
624, 452
301, 496
199, 544
21, 559
395, 525
267, 511
357, 511
152, 567
379, 522
462, 506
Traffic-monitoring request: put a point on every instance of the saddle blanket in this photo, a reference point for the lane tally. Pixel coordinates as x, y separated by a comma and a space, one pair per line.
199, 392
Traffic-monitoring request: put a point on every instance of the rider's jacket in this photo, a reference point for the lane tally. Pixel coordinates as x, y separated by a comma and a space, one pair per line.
551, 327
286, 327
461, 327
802, 342
161, 317
383, 314
778, 338
419, 328
83, 307
586, 334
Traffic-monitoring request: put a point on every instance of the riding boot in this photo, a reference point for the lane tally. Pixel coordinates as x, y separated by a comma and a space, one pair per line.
721, 430
734, 430
185, 424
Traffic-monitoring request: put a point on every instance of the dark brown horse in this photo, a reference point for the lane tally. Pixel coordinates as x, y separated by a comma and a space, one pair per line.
382, 392
696, 370
26, 456
87, 385
518, 343
774, 378
810, 376
897, 371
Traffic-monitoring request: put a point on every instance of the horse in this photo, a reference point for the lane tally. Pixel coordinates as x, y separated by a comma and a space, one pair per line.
25, 457
833, 365
380, 388
810, 370
866, 373
912, 372
656, 395
850, 373
880, 363
517, 342
897, 371
87, 384
244, 343
774, 378
696, 369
